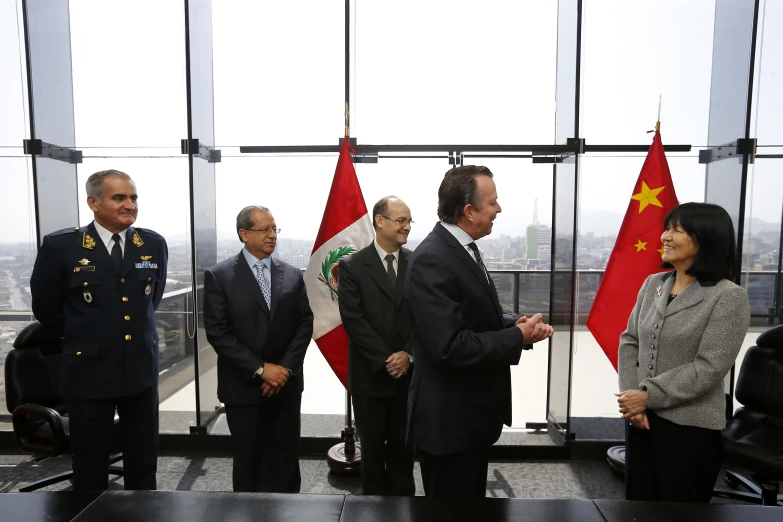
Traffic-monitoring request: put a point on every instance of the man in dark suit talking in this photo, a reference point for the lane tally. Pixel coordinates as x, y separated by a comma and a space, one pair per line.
463, 344
375, 318
259, 322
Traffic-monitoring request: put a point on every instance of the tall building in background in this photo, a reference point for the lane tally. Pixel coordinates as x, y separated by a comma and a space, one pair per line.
539, 240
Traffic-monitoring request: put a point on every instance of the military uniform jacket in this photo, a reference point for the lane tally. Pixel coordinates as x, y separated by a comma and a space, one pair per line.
106, 317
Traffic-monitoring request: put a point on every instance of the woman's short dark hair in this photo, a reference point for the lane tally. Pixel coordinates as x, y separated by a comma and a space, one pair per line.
459, 189
712, 230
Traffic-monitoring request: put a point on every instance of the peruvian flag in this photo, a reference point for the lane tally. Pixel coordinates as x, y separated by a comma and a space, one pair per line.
345, 228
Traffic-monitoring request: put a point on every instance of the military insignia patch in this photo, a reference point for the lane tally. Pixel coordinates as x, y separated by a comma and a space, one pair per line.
146, 264
137, 239
87, 241
146, 258
328, 275
84, 262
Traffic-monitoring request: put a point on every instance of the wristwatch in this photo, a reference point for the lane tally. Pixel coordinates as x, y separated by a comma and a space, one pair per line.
410, 357
260, 371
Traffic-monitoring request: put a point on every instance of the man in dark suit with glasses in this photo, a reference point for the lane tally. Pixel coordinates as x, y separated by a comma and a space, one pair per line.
258, 320
374, 315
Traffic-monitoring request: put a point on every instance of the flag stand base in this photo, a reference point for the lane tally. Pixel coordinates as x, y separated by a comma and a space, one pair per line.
345, 458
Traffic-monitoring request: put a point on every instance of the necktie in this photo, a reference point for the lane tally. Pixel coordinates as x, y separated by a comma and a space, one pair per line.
116, 252
263, 282
390, 270
476, 254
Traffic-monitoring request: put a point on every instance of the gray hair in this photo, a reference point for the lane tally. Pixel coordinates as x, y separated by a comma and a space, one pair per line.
245, 219
94, 185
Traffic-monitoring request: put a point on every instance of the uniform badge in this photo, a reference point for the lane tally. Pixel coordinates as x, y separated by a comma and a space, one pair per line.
87, 241
146, 258
84, 262
87, 296
147, 290
137, 239
146, 264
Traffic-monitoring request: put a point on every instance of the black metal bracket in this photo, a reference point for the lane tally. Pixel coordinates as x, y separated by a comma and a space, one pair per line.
360, 157
456, 159
211, 154
575, 146
37, 147
736, 149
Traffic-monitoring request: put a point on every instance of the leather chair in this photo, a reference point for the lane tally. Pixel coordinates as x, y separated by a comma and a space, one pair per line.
753, 439
32, 382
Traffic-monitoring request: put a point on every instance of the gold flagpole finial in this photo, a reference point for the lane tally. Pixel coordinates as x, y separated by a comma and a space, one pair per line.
347, 130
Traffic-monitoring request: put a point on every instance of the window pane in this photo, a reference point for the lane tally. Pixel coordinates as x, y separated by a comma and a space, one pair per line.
128, 73
163, 207
606, 187
279, 72
462, 72
768, 108
632, 54
17, 254
13, 81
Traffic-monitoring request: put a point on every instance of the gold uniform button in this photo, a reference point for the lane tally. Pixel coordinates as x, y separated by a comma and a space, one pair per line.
124, 299
122, 280
78, 354
127, 318
86, 283
127, 337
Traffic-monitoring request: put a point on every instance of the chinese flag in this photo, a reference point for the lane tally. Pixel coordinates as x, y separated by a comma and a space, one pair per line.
637, 252
345, 228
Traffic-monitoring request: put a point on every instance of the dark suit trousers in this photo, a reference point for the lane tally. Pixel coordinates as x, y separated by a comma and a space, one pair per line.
456, 475
670, 462
265, 442
387, 462
91, 433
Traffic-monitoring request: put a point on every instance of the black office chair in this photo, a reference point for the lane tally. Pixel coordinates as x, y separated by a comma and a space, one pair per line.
753, 439
32, 386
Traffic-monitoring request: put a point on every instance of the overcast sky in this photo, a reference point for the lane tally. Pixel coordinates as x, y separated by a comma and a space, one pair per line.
476, 73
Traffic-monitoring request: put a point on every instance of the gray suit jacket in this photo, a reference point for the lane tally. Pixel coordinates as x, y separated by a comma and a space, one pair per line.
681, 353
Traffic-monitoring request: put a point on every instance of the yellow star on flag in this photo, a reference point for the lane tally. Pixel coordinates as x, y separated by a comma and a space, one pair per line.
661, 250
641, 245
648, 196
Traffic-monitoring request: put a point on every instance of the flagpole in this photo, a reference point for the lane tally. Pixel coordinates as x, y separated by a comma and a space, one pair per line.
345, 458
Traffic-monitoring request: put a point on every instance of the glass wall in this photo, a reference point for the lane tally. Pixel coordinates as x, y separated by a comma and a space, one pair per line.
279, 79
129, 111
17, 238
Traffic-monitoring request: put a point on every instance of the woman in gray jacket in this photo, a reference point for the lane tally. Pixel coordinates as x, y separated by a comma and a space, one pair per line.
683, 336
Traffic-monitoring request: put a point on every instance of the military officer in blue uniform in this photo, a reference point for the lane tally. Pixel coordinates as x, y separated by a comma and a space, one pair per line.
99, 287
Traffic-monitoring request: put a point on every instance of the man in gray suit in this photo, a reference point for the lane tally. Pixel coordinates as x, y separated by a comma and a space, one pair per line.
259, 322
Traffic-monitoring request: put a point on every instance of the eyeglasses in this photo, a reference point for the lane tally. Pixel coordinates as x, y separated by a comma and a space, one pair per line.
400, 221
264, 230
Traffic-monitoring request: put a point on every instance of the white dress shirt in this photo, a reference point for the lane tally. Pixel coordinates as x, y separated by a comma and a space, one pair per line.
105, 236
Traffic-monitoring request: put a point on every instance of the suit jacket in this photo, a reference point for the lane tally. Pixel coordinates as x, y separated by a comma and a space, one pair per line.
245, 333
105, 316
681, 353
375, 318
460, 394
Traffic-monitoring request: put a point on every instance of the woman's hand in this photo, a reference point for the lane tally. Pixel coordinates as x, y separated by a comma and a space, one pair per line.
640, 421
632, 402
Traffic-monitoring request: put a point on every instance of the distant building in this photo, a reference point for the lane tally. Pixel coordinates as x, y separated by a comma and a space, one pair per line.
539, 242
